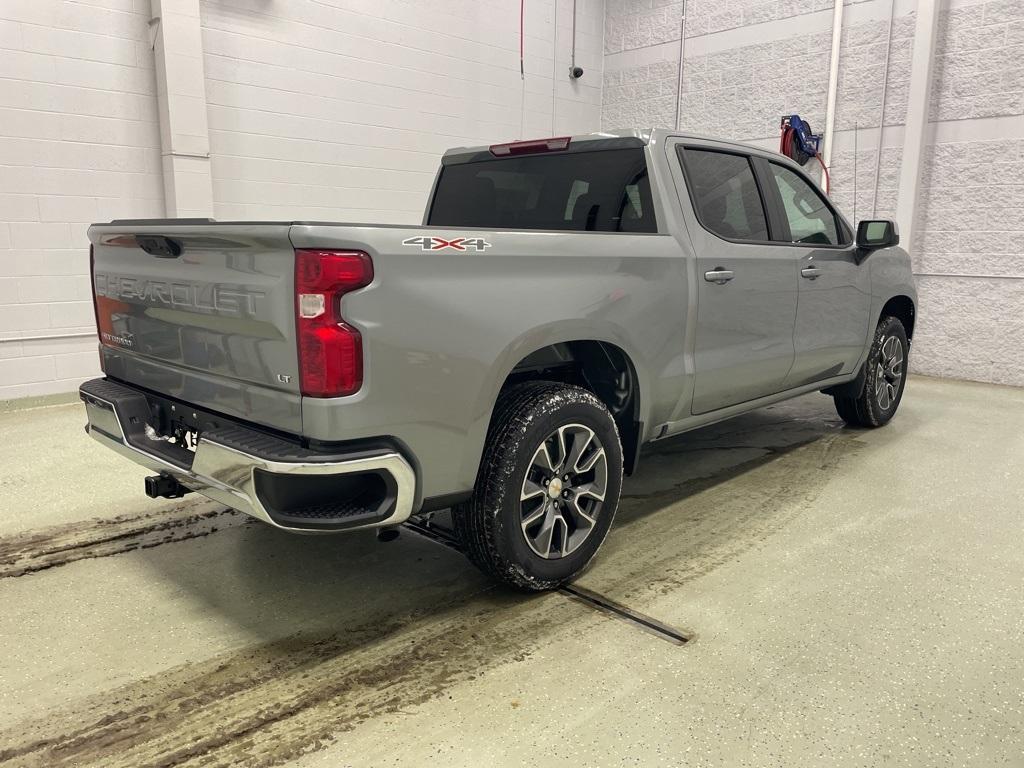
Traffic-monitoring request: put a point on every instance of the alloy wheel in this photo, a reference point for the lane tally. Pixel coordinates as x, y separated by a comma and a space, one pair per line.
563, 491
889, 372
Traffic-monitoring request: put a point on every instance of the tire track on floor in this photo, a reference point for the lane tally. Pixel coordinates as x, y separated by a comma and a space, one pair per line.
270, 703
43, 548
705, 522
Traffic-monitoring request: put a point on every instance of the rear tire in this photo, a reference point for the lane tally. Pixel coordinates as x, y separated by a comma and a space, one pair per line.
885, 379
548, 486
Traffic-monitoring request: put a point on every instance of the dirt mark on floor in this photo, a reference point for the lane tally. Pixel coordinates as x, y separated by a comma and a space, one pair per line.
43, 548
270, 703
667, 538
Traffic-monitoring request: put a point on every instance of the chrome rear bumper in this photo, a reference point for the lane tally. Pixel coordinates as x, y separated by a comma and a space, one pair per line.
239, 468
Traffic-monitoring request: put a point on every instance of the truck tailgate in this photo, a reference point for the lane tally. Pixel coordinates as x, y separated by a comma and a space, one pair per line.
202, 312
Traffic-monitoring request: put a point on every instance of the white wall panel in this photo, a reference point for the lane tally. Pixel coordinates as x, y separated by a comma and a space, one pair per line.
322, 109
340, 110
79, 142
748, 62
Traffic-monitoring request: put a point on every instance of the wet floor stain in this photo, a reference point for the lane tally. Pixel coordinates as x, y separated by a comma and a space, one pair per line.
678, 532
696, 505
271, 703
51, 547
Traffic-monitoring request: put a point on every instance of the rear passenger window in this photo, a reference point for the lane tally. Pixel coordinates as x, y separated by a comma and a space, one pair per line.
725, 194
810, 219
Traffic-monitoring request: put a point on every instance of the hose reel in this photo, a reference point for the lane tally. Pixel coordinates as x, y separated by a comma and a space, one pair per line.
799, 143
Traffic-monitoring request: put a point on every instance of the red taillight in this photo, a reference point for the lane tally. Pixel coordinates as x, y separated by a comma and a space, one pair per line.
330, 350
530, 147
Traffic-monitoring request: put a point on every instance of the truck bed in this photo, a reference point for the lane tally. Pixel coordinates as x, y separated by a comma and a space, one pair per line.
215, 326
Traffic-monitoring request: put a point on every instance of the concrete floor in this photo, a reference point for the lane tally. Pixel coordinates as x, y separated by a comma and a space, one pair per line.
856, 598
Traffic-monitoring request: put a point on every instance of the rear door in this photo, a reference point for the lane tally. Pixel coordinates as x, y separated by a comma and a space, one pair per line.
832, 321
747, 285
201, 312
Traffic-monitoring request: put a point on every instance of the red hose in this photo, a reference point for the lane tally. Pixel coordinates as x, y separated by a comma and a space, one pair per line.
828, 180
785, 142
786, 148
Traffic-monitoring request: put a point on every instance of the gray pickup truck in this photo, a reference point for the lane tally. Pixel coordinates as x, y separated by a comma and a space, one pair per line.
564, 302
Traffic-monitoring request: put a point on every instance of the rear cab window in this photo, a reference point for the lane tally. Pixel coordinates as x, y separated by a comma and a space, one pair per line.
604, 190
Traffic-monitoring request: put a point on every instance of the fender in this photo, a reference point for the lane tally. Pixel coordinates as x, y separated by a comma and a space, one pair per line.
535, 339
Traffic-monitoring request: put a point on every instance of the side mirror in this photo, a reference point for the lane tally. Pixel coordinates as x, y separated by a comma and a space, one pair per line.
873, 234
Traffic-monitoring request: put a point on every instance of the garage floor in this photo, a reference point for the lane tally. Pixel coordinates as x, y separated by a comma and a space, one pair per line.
852, 598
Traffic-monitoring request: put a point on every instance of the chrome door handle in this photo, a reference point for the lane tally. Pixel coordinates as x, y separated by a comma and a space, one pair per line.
719, 275
810, 272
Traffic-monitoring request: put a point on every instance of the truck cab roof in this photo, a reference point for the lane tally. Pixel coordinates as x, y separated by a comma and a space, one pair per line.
619, 137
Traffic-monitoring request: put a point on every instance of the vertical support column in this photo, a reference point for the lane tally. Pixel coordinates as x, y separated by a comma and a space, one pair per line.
181, 96
833, 83
915, 132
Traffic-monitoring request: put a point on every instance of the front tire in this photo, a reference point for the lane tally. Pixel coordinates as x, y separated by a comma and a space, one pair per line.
885, 379
547, 489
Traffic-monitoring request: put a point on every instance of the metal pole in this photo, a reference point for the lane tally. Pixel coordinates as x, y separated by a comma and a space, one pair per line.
833, 82
881, 116
856, 130
572, 65
679, 75
554, 66
916, 126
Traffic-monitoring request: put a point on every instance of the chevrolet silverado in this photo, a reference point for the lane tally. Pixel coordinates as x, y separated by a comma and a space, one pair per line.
564, 302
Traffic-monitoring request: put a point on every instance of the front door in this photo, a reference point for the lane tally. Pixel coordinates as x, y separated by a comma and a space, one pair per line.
832, 320
746, 285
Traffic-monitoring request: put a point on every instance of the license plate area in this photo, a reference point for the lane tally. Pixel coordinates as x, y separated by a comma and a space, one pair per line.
176, 443
177, 423
173, 429
184, 437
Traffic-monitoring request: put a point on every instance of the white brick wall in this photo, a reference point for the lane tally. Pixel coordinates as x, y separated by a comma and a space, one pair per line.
971, 217
748, 62
78, 143
325, 109
979, 64
632, 24
341, 110
972, 223
338, 110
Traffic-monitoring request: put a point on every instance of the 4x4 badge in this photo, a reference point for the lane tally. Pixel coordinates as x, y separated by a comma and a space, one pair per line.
439, 243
